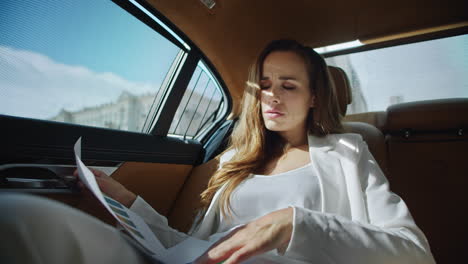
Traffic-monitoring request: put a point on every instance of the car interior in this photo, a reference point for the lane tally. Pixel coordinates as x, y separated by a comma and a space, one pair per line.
420, 145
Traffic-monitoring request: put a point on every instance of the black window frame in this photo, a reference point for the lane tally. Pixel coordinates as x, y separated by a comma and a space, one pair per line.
194, 55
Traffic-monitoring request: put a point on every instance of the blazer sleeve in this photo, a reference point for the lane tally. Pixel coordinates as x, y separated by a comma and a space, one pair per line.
158, 223
389, 236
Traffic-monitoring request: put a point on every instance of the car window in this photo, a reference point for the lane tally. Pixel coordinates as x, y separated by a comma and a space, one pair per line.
426, 70
202, 105
86, 62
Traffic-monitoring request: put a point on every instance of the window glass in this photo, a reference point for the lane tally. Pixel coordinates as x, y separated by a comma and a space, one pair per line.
201, 106
87, 62
420, 71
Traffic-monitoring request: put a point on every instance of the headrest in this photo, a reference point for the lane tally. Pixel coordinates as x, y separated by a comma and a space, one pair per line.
430, 115
343, 88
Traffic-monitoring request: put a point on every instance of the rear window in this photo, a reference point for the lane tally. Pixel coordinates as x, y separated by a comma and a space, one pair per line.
427, 70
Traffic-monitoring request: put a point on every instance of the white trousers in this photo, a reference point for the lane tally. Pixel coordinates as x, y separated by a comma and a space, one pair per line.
39, 230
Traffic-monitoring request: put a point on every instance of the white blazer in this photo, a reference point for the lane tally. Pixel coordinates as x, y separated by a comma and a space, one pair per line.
360, 220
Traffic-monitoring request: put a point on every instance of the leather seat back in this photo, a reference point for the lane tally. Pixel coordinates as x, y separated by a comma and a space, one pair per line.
371, 135
428, 162
188, 200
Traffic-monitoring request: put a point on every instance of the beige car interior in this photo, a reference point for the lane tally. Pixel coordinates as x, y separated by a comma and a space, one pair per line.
233, 32
422, 147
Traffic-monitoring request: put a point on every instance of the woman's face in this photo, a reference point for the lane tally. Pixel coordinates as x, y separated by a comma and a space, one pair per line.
286, 96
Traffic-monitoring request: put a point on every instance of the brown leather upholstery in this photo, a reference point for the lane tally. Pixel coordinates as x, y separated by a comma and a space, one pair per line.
428, 162
157, 183
342, 86
374, 139
373, 136
431, 115
344, 94
377, 119
184, 210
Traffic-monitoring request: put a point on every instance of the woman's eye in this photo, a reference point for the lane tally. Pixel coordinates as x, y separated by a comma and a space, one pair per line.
288, 87
264, 87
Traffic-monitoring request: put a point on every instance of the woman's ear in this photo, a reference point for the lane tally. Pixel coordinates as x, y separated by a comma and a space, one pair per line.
312, 101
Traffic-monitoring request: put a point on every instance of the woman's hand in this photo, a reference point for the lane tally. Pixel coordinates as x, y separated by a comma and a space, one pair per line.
111, 188
272, 231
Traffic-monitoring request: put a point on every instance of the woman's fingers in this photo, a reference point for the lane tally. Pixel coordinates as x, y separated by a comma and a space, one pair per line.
243, 254
111, 187
215, 253
98, 173
95, 172
219, 254
236, 245
79, 184
233, 250
254, 243
269, 232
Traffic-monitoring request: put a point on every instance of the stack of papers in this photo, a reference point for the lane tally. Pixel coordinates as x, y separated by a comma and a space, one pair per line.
184, 252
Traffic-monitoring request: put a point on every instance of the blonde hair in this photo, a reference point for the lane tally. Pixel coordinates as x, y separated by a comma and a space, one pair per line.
252, 142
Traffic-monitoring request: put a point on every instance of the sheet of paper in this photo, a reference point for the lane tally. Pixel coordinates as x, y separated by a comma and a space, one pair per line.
132, 223
187, 251
184, 252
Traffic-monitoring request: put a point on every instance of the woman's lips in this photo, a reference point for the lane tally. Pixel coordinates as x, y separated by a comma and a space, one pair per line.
273, 114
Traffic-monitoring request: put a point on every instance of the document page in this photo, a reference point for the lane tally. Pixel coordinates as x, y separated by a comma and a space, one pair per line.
130, 221
184, 252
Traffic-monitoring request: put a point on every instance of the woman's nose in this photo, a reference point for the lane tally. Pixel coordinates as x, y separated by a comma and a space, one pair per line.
275, 94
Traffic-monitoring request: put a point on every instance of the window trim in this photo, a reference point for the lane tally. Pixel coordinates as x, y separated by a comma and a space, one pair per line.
398, 42
173, 96
161, 121
101, 146
203, 134
171, 74
221, 111
136, 12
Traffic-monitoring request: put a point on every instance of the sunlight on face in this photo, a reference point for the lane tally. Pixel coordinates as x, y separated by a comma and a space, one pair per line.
285, 93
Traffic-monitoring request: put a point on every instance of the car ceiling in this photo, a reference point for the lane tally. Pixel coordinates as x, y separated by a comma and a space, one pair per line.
234, 31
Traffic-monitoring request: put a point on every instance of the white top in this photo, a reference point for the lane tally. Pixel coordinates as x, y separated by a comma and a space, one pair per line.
259, 195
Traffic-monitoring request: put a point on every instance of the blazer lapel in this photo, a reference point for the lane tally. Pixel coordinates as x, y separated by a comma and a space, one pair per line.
328, 168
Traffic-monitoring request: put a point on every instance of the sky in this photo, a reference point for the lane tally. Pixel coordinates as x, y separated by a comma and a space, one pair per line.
70, 54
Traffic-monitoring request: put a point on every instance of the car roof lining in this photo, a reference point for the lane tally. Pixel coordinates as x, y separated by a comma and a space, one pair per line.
233, 32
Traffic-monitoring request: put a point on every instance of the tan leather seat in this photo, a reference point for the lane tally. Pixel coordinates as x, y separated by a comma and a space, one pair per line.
371, 135
342, 86
428, 162
188, 201
375, 118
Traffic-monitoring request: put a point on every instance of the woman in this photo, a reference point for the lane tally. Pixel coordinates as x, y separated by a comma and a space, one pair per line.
292, 188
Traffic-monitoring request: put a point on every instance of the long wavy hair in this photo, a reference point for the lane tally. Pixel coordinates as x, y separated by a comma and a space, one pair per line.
255, 145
